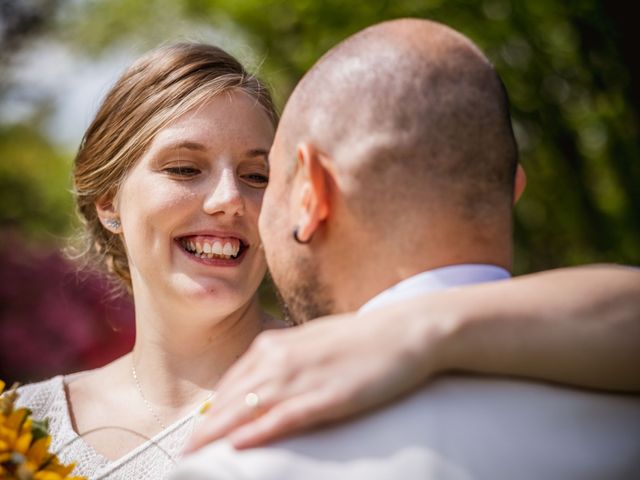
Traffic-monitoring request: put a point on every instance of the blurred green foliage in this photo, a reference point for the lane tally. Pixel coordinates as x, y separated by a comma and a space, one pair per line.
34, 192
566, 65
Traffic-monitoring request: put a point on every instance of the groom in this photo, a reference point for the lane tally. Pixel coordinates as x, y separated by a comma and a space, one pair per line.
397, 161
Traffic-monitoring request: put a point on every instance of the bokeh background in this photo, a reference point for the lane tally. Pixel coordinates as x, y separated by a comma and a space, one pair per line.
571, 70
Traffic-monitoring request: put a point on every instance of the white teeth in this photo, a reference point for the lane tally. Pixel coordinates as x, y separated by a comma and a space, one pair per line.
219, 248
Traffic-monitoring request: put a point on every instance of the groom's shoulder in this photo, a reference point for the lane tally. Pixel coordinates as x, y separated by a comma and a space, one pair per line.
462, 427
476, 411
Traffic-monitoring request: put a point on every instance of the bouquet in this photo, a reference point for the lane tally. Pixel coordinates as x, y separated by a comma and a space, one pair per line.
24, 445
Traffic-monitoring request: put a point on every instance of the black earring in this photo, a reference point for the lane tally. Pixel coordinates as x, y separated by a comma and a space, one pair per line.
297, 239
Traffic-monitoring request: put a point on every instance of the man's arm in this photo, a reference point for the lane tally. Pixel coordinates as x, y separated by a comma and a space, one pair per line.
579, 326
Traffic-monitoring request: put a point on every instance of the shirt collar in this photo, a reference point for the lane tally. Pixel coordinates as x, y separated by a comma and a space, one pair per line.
436, 280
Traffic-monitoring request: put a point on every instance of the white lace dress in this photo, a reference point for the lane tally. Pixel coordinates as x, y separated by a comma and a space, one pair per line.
48, 399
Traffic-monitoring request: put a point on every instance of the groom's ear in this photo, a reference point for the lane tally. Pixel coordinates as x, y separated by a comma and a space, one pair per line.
312, 202
520, 183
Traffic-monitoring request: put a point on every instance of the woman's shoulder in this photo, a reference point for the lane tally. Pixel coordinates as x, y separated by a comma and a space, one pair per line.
47, 395
40, 397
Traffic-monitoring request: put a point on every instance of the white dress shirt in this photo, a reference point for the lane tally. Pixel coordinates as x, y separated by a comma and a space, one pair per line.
456, 427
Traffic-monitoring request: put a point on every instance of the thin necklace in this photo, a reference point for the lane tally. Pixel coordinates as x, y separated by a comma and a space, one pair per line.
153, 413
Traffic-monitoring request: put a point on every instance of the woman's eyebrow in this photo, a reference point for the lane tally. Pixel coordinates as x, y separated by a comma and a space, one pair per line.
191, 145
188, 144
258, 152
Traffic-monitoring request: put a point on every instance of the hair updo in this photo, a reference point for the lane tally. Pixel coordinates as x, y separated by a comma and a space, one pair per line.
158, 88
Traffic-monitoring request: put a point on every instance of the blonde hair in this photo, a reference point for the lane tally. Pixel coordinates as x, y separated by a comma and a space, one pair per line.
159, 87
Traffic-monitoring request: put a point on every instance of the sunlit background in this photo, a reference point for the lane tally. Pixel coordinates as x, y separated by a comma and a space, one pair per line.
570, 68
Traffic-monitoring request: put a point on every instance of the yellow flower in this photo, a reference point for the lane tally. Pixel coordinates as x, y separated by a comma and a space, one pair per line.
24, 445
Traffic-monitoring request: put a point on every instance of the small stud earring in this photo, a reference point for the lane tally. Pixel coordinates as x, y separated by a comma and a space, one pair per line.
112, 223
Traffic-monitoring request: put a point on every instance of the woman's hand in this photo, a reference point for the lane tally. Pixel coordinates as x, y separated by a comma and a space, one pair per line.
319, 372
578, 326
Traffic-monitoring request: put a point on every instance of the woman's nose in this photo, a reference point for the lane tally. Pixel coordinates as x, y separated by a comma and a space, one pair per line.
225, 197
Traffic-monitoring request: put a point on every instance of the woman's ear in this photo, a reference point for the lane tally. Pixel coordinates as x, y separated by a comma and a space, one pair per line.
109, 216
519, 184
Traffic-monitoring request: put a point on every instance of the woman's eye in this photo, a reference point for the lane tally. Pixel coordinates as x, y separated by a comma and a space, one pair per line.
182, 171
257, 179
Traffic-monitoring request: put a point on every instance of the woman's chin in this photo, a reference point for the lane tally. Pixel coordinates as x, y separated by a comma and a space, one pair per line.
213, 294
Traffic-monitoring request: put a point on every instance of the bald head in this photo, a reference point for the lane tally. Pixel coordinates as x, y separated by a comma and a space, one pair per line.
394, 155
411, 113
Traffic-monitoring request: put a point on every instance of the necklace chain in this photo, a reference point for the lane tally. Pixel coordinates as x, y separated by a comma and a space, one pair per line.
144, 399
153, 413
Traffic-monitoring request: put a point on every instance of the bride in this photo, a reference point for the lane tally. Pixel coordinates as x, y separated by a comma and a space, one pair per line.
169, 180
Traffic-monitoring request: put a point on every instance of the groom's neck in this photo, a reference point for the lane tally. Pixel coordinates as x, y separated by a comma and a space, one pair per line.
366, 268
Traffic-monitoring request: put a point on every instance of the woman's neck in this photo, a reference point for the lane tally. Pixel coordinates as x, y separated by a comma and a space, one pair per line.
178, 360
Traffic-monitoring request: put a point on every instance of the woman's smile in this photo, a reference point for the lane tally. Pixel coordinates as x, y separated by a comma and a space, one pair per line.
223, 250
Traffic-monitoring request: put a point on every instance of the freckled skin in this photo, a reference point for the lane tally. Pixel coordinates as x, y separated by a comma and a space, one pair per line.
173, 192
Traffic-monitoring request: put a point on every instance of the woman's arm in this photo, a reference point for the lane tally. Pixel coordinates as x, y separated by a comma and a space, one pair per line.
579, 326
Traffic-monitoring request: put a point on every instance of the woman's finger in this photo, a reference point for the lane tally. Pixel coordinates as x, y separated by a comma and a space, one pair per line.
212, 428
291, 416
221, 419
242, 402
